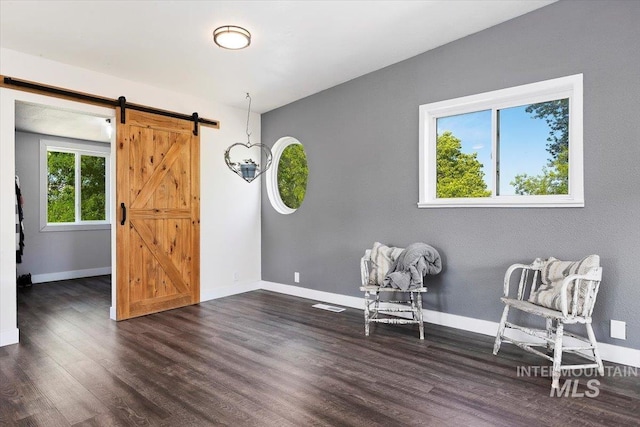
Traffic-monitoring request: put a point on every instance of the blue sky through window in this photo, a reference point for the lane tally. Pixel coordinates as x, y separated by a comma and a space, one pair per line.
523, 142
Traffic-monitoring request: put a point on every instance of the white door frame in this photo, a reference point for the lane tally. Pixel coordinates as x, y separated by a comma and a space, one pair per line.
9, 333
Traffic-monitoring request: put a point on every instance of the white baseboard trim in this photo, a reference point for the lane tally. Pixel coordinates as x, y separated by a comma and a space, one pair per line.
618, 354
608, 352
210, 294
312, 294
9, 337
68, 275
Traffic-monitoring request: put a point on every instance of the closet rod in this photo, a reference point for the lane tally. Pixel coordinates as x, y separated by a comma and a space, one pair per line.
93, 99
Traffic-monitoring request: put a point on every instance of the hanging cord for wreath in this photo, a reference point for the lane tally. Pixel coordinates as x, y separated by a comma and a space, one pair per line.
248, 115
249, 169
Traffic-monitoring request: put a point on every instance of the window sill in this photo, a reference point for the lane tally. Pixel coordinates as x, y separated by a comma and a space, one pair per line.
560, 202
75, 227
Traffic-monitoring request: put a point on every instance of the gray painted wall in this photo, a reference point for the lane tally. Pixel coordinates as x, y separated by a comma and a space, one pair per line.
361, 140
52, 251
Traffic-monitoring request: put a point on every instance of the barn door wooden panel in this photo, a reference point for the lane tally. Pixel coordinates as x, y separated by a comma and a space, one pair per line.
158, 228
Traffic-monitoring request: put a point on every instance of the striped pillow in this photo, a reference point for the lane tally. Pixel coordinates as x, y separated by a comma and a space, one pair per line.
552, 275
382, 257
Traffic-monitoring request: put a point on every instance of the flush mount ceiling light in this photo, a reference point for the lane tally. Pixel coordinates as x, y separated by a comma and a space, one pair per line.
232, 37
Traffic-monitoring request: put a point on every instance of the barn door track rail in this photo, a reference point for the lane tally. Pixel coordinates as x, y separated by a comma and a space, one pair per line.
12, 83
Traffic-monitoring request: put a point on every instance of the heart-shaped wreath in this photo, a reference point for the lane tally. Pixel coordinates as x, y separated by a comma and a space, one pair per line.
248, 169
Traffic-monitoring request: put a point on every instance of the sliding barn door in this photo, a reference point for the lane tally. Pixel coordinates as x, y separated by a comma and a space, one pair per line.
158, 221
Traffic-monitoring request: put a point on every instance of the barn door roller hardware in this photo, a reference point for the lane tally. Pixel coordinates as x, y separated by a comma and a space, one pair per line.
121, 102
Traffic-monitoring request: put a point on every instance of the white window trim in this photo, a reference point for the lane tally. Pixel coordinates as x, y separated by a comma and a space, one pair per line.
564, 87
100, 150
272, 175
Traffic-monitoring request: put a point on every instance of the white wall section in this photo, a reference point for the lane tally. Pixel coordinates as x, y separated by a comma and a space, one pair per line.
230, 208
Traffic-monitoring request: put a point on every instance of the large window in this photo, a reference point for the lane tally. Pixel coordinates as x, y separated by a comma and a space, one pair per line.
74, 185
520, 146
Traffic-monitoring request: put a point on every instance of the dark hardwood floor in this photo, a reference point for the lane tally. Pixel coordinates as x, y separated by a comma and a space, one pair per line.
265, 359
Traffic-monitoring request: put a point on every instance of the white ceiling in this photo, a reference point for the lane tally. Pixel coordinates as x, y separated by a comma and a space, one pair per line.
69, 124
298, 47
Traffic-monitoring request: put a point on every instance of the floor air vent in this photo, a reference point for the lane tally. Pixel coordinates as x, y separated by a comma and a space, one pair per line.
329, 308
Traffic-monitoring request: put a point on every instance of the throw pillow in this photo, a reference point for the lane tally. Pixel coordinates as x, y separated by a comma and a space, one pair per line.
552, 275
382, 257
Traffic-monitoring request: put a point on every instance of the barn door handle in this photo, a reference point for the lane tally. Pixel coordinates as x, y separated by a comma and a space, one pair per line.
124, 213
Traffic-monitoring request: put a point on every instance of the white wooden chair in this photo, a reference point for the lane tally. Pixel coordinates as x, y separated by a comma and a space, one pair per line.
372, 301
563, 293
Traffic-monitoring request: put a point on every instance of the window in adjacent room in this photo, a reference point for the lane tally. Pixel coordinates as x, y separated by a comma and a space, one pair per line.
520, 146
286, 181
74, 185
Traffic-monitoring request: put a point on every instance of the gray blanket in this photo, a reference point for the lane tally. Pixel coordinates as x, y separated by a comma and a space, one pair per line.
409, 269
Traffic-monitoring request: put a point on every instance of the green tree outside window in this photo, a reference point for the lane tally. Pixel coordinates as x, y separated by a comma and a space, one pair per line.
458, 174
61, 188
62, 191
292, 175
92, 188
554, 178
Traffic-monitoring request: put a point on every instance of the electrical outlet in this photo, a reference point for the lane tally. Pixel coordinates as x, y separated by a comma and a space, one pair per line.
236, 276
619, 329
296, 277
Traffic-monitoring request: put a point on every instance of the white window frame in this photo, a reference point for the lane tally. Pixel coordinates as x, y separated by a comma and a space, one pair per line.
272, 174
560, 88
79, 149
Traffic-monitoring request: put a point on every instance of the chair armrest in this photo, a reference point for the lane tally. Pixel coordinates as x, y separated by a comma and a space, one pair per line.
534, 266
364, 267
507, 276
593, 275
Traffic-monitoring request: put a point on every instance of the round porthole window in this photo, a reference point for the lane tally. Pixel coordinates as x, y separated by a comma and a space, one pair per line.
287, 178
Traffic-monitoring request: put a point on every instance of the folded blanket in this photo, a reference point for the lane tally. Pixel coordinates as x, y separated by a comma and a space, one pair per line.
409, 269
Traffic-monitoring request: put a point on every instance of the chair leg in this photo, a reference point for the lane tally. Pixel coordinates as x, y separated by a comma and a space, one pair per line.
503, 321
420, 318
414, 309
367, 301
557, 356
596, 353
549, 335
